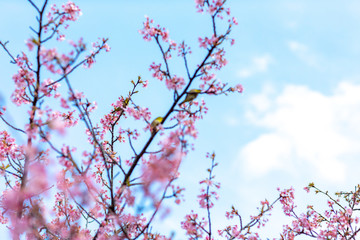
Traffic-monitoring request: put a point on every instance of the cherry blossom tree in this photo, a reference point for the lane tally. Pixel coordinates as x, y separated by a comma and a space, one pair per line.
100, 192
97, 190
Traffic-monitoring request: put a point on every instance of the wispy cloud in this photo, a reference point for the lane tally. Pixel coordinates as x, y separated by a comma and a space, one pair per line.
307, 131
303, 53
258, 64
230, 120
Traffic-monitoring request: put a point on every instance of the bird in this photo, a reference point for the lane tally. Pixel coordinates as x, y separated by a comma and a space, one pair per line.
125, 103
155, 123
191, 95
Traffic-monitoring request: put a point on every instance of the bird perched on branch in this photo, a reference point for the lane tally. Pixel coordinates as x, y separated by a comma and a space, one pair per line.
191, 95
124, 105
155, 123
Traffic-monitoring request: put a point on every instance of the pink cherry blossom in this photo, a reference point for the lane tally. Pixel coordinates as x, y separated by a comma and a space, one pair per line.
61, 190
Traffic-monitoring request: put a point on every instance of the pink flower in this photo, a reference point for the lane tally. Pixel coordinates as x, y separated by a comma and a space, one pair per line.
140, 113
193, 226
30, 44
199, 2
64, 103
58, 125
287, 200
238, 88
38, 181
72, 11
175, 83
107, 47
157, 72
150, 31
2, 110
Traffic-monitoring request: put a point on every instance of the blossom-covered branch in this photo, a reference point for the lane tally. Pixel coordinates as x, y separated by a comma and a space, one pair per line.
103, 185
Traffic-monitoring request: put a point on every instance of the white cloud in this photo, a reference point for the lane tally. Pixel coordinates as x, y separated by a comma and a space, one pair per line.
307, 130
302, 52
231, 121
258, 64
262, 157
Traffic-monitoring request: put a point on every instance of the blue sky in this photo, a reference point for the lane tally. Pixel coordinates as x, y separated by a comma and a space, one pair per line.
297, 120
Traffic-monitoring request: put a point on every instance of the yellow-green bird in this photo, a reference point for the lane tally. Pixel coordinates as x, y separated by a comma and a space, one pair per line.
191, 95
125, 103
155, 123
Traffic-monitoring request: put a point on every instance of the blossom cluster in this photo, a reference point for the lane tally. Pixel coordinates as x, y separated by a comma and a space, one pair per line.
57, 17
338, 221
149, 31
114, 187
